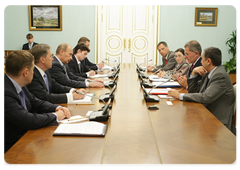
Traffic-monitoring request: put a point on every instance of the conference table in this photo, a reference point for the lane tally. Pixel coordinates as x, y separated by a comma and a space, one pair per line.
182, 133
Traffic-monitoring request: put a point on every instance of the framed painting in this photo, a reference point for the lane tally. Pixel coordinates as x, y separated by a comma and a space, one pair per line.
45, 17
206, 16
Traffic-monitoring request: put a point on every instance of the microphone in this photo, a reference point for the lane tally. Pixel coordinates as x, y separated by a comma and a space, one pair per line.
102, 114
149, 97
141, 69
115, 61
159, 85
108, 65
155, 72
109, 95
145, 83
111, 83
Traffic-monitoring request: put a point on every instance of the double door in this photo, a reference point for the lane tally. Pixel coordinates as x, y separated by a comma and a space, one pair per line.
127, 34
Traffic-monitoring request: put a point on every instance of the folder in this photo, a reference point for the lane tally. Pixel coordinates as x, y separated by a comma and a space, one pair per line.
81, 129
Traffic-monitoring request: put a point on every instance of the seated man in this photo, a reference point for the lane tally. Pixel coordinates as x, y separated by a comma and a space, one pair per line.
42, 85
214, 91
76, 65
86, 62
61, 73
30, 43
22, 110
168, 59
193, 52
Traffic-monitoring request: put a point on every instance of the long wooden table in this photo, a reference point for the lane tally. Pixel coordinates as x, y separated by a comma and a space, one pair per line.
183, 133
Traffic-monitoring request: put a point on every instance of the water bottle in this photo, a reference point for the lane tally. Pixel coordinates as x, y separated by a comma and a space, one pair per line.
115, 65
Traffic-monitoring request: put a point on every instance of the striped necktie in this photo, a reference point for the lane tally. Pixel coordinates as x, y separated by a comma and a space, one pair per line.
64, 68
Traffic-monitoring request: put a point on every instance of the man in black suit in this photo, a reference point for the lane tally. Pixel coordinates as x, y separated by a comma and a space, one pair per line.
193, 52
30, 43
86, 62
22, 110
61, 73
42, 85
76, 65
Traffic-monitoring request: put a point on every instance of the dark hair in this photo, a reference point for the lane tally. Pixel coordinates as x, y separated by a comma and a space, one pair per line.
180, 50
17, 60
63, 46
83, 40
29, 36
39, 50
162, 42
193, 45
214, 54
82, 47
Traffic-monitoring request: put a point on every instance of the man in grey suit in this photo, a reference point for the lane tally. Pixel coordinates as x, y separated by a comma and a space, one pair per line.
168, 59
214, 90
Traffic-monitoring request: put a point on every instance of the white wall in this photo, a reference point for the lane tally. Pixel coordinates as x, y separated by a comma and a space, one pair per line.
77, 21
177, 28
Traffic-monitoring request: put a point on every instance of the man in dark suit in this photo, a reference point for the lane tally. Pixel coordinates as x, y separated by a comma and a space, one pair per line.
22, 110
168, 60
42, 85
86, 62
76, 66
61, 73
214, 90
30, 43
193, 52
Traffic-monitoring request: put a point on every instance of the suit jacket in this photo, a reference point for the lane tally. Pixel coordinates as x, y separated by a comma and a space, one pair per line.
18, 120
57, 72
179, 70
198, 78
74, 68
57, 92
219, 96
25, 46
198, 63
171, 62
89, 64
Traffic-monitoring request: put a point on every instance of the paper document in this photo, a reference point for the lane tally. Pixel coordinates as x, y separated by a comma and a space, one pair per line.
158, 91
165, 97
167, 84
74, 119
86, 100
106, 67
81, 129
157, 79
99, 76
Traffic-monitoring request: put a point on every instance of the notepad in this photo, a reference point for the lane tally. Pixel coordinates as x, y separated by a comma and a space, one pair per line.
158, 91
86, 100
155, 78
99, 76
81, 129
167, 84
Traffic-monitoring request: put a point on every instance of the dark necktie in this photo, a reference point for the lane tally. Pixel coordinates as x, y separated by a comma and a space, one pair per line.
46, 81
80, 68
192, 67
22, 98
205, 85
64, 68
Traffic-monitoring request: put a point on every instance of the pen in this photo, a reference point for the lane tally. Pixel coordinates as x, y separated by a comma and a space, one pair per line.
77, 118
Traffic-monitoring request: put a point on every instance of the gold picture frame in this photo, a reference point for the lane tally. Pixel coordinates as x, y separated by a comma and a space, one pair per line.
206, 16
45, 17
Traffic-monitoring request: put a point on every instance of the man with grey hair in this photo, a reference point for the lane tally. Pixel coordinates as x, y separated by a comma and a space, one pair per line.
193, 52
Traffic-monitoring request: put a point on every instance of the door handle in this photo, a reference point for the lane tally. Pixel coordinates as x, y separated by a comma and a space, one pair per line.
125, 43
129, 44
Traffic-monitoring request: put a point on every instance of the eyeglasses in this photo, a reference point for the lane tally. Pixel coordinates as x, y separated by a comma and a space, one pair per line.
178, 56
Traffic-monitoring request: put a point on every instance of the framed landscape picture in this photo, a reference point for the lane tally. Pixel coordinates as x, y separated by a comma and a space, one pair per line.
206, 16
45, 17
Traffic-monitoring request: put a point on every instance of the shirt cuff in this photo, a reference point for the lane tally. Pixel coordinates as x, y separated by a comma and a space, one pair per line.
181, 96
87, 74
56, 117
